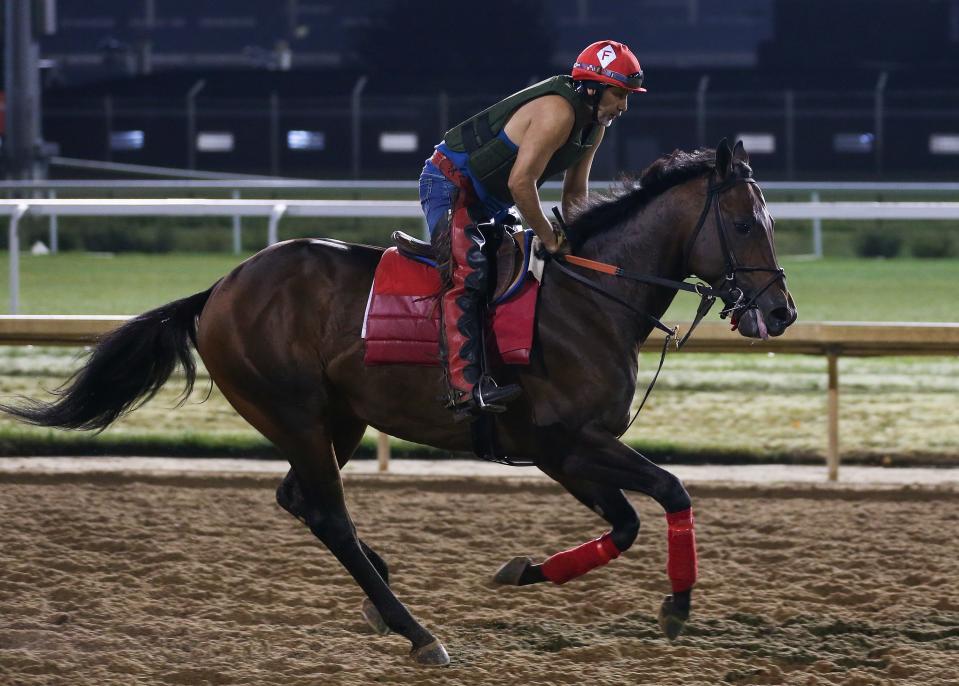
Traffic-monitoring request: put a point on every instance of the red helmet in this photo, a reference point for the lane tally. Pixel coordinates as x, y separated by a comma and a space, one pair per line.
610, 62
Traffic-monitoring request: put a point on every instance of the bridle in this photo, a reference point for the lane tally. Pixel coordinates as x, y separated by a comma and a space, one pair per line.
729, 292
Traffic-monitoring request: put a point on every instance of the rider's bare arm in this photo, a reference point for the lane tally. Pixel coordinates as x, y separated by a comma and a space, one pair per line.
576, 181
539, 128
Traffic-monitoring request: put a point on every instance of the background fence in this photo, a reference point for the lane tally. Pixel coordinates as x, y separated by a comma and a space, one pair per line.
871, 132
275, 210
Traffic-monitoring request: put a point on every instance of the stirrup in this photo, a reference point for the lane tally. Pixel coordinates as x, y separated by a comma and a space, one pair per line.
489, 397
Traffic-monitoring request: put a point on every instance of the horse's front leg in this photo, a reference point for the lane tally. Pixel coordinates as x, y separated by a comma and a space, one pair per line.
609, 503
602, 458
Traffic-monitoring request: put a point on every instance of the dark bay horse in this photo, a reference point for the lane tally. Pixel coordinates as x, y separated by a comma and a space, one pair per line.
280, 336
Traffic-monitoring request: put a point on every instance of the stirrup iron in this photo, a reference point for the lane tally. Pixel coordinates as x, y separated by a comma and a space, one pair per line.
492, 398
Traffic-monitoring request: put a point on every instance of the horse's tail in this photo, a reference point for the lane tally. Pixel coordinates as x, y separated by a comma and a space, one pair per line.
126, 368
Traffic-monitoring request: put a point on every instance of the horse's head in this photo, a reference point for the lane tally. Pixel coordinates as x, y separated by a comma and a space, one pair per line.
732, 248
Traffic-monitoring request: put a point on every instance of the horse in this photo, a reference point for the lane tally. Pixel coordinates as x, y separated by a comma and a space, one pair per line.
281, 338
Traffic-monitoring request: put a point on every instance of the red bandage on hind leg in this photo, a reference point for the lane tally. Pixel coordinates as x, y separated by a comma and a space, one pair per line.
682, 565
569, 564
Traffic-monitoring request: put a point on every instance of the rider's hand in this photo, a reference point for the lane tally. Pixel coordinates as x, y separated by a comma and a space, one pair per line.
560, 244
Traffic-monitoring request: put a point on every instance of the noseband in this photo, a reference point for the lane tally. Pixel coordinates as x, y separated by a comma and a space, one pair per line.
731, 293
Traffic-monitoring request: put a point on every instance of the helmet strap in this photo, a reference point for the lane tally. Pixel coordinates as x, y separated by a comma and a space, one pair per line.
597, 97
598, 87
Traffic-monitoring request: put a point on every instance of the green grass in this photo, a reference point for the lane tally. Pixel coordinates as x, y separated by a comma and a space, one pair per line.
85, 283
706, 407
834, 289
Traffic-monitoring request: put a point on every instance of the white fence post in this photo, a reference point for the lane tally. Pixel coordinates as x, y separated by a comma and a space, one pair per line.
832, 455
237, 227
14, 246
273, 230
383, 452
816, 230
54, 229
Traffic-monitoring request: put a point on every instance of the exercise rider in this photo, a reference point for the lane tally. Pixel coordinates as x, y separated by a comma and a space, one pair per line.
498, 159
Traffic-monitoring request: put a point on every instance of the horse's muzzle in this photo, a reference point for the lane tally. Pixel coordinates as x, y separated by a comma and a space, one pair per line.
757, 322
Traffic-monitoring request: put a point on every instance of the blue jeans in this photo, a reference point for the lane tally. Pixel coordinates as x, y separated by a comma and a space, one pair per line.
436, 195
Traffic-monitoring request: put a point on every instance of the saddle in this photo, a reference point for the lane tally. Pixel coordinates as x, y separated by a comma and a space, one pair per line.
510, 261
401, 323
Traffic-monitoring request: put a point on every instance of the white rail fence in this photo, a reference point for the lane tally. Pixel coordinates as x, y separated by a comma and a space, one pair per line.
239, 183
275, 210
829, 339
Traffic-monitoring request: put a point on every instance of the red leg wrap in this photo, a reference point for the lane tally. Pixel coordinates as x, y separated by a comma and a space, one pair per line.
569, 564
682, 565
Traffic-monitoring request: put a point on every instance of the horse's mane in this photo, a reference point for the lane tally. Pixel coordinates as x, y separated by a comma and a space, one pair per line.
609, 210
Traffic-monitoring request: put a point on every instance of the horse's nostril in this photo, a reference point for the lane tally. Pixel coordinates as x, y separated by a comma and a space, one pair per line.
783, 316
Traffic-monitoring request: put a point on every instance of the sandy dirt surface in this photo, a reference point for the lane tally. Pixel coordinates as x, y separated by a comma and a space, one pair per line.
200, 579
770, 474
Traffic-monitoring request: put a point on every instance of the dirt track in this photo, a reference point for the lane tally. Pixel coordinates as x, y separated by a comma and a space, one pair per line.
193, 580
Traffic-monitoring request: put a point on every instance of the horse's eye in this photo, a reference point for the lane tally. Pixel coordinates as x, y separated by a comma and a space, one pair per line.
743, 227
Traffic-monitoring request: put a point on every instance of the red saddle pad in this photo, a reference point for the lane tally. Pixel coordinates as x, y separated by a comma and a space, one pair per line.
402, 320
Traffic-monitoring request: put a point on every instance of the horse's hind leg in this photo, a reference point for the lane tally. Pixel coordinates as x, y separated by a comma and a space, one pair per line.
609, 503
346, 437
290, 497
327, 517
316, 497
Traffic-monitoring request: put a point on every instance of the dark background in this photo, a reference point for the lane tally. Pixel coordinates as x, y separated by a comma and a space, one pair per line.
805, 72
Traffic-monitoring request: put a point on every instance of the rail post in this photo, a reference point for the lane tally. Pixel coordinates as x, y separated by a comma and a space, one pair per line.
701, 109
383, 452
108, 125
273, 230
191, 122
274, 134
54, 228
816, 229
356, 116
14, 245
879, 106
237, 227
832, 455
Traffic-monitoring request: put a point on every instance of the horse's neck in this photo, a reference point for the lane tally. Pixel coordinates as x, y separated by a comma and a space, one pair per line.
650, 243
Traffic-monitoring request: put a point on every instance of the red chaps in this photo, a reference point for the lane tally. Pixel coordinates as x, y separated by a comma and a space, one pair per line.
461, 334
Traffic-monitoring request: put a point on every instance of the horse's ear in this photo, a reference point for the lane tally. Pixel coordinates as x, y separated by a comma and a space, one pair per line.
723, 157
739, 153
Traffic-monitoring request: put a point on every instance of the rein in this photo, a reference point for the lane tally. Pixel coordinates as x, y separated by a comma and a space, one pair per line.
732, 296
706, 293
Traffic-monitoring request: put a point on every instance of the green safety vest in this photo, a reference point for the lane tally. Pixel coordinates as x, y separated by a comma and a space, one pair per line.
491, 159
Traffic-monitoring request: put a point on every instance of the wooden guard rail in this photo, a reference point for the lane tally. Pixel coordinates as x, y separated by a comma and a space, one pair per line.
830, 339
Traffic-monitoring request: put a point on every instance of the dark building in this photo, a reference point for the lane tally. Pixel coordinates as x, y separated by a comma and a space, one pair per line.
366, 87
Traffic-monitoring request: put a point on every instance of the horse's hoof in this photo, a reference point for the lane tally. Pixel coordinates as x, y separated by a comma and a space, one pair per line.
373, 617
672, 618
511, 573
431, 655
